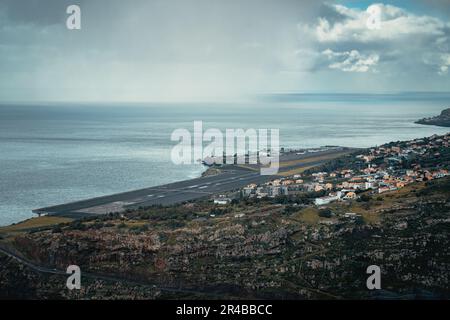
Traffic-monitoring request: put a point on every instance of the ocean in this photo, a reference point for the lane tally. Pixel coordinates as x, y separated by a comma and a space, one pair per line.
56, 153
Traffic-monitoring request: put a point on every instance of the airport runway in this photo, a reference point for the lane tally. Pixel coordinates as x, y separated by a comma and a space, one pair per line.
168, 194
232, 178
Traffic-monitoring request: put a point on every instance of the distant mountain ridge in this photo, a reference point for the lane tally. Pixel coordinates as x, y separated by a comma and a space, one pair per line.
442, 120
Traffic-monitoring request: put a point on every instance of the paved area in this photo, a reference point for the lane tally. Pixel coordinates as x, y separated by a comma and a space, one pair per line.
232, 178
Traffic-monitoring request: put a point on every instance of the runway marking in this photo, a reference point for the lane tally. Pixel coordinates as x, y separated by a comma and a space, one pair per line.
143, 197
225, 181
218, 182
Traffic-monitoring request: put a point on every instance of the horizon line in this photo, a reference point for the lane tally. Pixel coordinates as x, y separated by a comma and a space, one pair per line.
244, 98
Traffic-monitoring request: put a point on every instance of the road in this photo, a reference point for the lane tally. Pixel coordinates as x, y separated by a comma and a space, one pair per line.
168, 194
94, 276
218, 295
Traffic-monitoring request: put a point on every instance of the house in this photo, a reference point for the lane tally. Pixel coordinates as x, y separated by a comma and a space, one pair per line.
352, 215
287, 182
261, 192
410, 173
396, 149
284, 190
400, 184
318, 188
383, 189
369, 185
222, 200
359, 186
273, 191
247, 191
276, 182
346, 184
326, 200
349, 196
322, 200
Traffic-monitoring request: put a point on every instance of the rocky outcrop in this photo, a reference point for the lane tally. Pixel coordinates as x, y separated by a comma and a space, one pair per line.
442, 120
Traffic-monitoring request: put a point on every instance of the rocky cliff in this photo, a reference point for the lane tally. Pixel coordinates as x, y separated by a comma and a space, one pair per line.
265, 252
442, 120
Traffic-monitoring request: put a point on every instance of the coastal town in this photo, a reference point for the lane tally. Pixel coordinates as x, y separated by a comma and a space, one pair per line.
376, 171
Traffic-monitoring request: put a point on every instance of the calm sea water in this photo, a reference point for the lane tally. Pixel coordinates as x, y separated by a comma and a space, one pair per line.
51, 154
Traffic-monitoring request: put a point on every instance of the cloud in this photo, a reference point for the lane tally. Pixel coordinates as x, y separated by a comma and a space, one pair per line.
404, 42
209, 49
445, 64
147, 50
351, 61
395, 24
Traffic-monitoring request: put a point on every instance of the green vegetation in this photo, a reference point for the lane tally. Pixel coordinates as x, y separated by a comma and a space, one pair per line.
325, 213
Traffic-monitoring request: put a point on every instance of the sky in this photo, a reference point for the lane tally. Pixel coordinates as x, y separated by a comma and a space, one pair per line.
190, 50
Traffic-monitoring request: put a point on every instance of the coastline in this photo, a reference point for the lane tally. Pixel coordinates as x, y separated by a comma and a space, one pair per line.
442, 120
63, 166
33, 216
207, 173
232, 177
388, 205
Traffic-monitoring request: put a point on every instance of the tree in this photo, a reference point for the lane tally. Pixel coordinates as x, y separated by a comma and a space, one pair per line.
288, 210
325, 213
365, 198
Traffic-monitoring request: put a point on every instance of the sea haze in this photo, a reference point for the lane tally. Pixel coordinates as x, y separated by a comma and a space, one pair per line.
51, 154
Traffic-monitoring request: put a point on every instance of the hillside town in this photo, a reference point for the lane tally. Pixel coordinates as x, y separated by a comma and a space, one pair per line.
377, 170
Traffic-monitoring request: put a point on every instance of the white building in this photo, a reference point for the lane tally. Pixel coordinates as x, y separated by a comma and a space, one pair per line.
222, 200
327, 199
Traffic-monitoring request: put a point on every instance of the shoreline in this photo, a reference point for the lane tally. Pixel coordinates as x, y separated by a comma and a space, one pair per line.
33, 216
232, 177
442, 120
204, 173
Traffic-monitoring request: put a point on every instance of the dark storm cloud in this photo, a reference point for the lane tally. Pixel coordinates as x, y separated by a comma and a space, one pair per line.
48, 12
143, 48
326, 10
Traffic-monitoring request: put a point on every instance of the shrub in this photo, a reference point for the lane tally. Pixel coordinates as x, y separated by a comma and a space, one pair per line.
325, 213
365, 198
174, 224
77, 225
97, 225
139, 229
288, 210
57, 229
